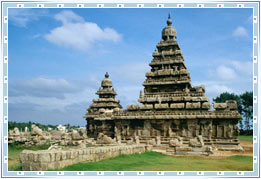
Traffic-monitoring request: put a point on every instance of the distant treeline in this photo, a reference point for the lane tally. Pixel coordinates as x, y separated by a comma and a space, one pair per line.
21, 126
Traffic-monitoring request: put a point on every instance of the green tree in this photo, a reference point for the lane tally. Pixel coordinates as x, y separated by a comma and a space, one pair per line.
247, 110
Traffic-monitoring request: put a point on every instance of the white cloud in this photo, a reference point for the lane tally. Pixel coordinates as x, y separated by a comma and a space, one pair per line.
67, 16
43, 87
240, 32
50, 95
244, 67
79, 34
216, 89
226, 73
21, 17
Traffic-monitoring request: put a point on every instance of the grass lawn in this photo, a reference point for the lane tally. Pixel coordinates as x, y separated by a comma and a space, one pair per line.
151, 161
245, 137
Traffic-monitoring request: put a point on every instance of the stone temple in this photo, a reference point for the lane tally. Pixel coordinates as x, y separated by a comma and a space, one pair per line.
172, 112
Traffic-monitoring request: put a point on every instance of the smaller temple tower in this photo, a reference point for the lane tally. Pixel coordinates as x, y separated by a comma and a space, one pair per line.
106, 100
104, 105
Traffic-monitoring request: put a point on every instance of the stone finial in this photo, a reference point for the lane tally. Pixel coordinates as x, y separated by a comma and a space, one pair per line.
169, 21
107, 75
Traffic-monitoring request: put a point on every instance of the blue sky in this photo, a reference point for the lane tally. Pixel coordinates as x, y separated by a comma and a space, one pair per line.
58, 57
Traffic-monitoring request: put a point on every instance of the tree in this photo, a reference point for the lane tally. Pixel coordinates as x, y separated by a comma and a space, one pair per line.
247, 110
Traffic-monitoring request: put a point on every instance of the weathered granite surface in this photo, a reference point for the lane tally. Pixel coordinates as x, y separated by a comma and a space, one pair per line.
57, 159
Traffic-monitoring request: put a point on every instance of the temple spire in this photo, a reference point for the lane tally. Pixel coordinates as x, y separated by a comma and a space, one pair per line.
169, 21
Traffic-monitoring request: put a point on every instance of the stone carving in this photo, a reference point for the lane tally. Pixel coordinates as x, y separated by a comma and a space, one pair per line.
196, 142
177, 142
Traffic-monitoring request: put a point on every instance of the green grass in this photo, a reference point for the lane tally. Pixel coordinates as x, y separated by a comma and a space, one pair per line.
14, 151
245, 137
151, 161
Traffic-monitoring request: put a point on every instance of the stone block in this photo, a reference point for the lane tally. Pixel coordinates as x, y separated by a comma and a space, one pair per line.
146, 106
231, 104
184, 148
192, 105
162, 106
44, 157
220, 105
177, 106
205, 105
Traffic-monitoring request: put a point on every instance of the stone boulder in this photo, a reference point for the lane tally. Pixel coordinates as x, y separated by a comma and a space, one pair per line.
35, 130
104, 139
75, 135
83, 133
56, 135
16, 132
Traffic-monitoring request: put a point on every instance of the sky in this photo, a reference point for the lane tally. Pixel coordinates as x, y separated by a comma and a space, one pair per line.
58, 57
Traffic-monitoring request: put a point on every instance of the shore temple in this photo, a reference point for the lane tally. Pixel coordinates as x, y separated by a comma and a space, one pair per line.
171, 112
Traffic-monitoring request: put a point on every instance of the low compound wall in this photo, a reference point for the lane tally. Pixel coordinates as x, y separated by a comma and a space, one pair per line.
57, 159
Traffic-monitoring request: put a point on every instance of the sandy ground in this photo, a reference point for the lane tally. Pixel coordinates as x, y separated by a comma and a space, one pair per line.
247, 146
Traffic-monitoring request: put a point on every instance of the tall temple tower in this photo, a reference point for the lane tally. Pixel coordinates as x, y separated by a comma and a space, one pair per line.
169, 79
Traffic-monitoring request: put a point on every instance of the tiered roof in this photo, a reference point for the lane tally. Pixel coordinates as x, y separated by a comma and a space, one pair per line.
106, 100
168, 84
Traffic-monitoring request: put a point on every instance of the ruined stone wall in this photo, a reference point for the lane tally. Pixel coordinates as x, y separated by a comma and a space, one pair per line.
57, 159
